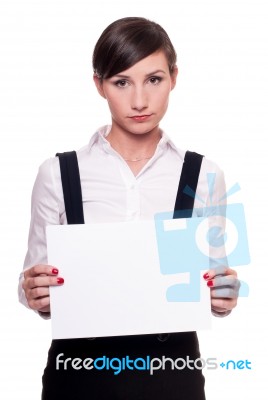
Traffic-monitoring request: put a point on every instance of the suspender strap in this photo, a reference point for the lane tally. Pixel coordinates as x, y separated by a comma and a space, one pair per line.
189, 178
71, 186
184, 203
73, 194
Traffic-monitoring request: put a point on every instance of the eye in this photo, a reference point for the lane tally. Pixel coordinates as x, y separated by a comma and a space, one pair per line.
121, 83
155, 80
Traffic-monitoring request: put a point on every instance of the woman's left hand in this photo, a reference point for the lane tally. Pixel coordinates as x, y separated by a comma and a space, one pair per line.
224, 289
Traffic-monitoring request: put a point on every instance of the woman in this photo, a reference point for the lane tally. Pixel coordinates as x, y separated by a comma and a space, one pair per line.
129, 171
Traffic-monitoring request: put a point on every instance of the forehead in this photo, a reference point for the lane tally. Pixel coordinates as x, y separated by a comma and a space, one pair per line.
155, 61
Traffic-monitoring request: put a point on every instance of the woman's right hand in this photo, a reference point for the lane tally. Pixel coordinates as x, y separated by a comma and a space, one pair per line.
37, 280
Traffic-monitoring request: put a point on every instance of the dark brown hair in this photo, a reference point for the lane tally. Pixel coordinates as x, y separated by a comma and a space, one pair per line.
128, 40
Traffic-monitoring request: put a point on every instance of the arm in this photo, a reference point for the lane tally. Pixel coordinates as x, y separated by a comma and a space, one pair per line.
37, 276
222, 280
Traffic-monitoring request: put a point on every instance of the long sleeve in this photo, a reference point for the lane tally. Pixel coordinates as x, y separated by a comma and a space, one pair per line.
211, 202
44, 211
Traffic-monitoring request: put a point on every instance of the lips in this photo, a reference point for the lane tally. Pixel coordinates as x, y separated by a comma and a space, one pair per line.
141, 118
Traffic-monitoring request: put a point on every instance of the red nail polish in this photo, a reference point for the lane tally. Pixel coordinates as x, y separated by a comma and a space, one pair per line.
55, 271
210, 283
60, 280
206, 276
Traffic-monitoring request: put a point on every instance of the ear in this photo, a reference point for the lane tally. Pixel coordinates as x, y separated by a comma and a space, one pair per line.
99, 86
174, 77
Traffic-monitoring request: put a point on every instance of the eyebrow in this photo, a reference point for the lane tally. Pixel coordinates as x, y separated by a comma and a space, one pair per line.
147, 75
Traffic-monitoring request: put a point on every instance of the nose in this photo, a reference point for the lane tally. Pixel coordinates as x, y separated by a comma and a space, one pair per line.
139, 100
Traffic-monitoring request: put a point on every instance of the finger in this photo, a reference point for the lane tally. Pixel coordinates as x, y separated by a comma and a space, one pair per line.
220, 270
223, 304
225, 292
39, 304
231, 272
40, 269
226, 281
39, 292
45, 281
224, 271
218, 309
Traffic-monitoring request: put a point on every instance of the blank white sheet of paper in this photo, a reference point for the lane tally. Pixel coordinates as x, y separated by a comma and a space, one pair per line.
113, 284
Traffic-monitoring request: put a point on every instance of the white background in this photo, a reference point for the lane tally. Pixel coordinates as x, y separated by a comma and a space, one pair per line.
48, 104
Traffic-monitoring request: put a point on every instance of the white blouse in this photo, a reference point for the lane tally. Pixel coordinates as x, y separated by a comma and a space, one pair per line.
111, 192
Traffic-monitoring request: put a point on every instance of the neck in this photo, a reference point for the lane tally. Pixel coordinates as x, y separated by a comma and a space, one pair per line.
134, 147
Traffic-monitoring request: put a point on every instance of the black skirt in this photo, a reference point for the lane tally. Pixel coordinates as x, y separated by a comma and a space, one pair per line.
122, 371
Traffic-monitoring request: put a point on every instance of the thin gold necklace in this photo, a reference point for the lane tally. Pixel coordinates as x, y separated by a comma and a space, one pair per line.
137, 159
130, 159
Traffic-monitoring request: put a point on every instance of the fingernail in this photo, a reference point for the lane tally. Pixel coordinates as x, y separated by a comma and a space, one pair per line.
210, 283
60, 280
55, 271
206, 276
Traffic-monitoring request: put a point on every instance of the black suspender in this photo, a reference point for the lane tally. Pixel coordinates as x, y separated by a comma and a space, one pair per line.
73, 195
189, 178
71, 186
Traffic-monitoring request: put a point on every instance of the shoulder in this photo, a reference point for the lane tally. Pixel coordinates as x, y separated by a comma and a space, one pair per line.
49, 171
211, 180
46, 178
46, 168
210, 170
84, 151
209, 166
211, 183
51, 166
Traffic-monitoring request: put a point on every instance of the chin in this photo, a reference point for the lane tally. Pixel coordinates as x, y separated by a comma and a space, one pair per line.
143, 129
